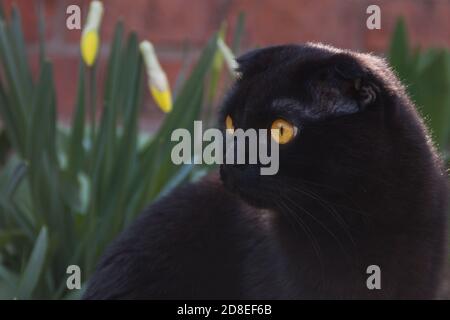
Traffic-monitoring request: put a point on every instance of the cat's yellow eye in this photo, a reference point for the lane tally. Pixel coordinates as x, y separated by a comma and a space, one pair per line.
229, 125
283, 131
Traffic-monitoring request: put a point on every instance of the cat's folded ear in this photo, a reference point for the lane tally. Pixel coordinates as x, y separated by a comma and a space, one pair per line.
360, 82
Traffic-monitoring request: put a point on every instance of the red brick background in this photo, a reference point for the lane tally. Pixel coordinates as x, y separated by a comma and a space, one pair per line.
171, 24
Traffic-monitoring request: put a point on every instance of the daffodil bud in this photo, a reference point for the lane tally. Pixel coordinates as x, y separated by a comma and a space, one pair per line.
157, 79
90, 38
228, 56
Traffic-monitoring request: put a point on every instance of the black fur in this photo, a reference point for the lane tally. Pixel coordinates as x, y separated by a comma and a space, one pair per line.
361, 184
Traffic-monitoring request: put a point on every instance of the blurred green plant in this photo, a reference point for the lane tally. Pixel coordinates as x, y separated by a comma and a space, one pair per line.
66, 192
426, 74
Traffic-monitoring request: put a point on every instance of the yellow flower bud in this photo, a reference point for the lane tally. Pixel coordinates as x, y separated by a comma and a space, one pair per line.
157, 79
89, 47
162, 98
90, 39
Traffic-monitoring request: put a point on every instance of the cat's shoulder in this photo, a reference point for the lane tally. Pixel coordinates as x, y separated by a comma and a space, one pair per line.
184, 240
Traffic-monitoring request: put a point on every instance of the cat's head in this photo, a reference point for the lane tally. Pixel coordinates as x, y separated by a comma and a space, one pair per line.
330, 107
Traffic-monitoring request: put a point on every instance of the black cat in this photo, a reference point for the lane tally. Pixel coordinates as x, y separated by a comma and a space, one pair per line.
359, 184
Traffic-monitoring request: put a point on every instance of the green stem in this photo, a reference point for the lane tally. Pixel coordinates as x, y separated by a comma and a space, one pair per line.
92, 101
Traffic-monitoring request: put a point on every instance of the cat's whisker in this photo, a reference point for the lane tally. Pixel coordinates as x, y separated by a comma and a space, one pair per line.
320, 223
299, 221
360, 212
333, 212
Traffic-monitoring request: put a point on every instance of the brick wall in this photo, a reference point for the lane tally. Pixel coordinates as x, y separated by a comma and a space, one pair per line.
170, 24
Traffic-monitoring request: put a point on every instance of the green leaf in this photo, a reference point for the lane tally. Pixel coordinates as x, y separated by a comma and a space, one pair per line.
10, 278
33, 270
10, 121
20, 51
105, 144
17, 102
17, 177
399, 52
216, 69
41, 29
5, 146
434, 97
76, 150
